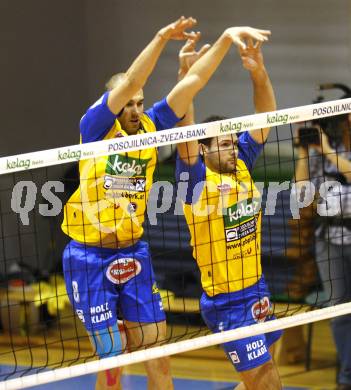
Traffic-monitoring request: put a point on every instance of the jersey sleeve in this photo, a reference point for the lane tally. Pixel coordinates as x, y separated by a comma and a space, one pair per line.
196, 174
97, 121
249, 150
162, 115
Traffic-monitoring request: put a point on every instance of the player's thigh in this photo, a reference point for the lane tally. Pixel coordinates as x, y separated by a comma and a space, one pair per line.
140, 299
145, 334
263, 377
93, 297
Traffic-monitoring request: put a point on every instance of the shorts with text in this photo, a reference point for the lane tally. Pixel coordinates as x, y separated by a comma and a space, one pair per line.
101, 280
237, 309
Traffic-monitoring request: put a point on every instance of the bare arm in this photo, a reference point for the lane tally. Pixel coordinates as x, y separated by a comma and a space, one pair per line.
263, 94
189, 151
343, 165
200, 73
143, 65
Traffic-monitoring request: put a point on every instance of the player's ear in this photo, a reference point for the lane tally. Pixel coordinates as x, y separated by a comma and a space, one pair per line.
202, 149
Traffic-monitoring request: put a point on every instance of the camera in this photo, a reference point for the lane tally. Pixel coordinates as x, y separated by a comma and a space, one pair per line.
332, 126
308, 136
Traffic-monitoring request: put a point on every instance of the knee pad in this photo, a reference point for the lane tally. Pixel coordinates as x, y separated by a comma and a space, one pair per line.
107, 342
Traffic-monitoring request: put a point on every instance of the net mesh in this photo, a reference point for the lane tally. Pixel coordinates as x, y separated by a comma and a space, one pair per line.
35, 311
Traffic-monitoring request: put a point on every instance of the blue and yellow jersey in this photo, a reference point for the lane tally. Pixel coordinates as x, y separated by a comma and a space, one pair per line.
108, 208
223, 212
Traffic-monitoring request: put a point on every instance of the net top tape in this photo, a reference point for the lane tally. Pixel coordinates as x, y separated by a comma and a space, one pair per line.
62, 155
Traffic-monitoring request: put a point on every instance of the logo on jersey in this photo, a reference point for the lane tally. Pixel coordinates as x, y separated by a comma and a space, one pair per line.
132, 207
124, 183
119, 165
224, 188
241, 212
234, 356
261, 309
122, 270
240, 219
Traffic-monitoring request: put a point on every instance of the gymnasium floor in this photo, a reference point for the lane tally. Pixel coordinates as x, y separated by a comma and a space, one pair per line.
205, 369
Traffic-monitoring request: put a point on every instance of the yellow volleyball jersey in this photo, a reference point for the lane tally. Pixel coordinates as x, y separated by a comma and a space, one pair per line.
225, 229
108, 207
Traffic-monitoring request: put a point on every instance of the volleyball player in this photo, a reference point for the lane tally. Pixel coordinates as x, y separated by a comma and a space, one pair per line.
106, 264
223, 212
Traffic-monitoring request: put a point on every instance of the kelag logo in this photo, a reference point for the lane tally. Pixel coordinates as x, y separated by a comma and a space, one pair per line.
241, 212
231, 126
126, 166
68, 154
276, 119
17, 164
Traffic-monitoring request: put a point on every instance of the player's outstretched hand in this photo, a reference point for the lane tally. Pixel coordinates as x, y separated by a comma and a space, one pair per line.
188, 54
251, 56
176, 30
239, 35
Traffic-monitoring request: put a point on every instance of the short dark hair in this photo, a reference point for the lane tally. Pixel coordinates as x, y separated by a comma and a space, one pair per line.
211, 118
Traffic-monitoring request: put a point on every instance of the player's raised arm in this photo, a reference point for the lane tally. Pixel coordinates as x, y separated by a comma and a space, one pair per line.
263, 94
188, 55
182, 95
141, 68
200, 73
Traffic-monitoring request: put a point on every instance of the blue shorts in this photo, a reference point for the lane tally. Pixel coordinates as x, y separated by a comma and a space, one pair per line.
237, 309
101, 280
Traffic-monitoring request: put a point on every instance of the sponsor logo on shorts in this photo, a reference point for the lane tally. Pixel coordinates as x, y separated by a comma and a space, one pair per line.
234, 356
261, 309
100, 313
255, 349
80, 315
122, 270
76, 296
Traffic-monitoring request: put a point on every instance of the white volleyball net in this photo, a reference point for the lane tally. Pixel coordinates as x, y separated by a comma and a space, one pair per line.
43, 336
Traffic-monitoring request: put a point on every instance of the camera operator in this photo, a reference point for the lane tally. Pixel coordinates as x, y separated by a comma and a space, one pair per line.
324, 155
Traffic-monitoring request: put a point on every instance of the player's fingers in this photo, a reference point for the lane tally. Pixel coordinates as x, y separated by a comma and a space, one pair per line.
189, 46
186, 55
257, 45
188, 23
197, 36
242, 50
256, 34
264, 32
250, 43
178, 22
240, 43
204, 49
190, 35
